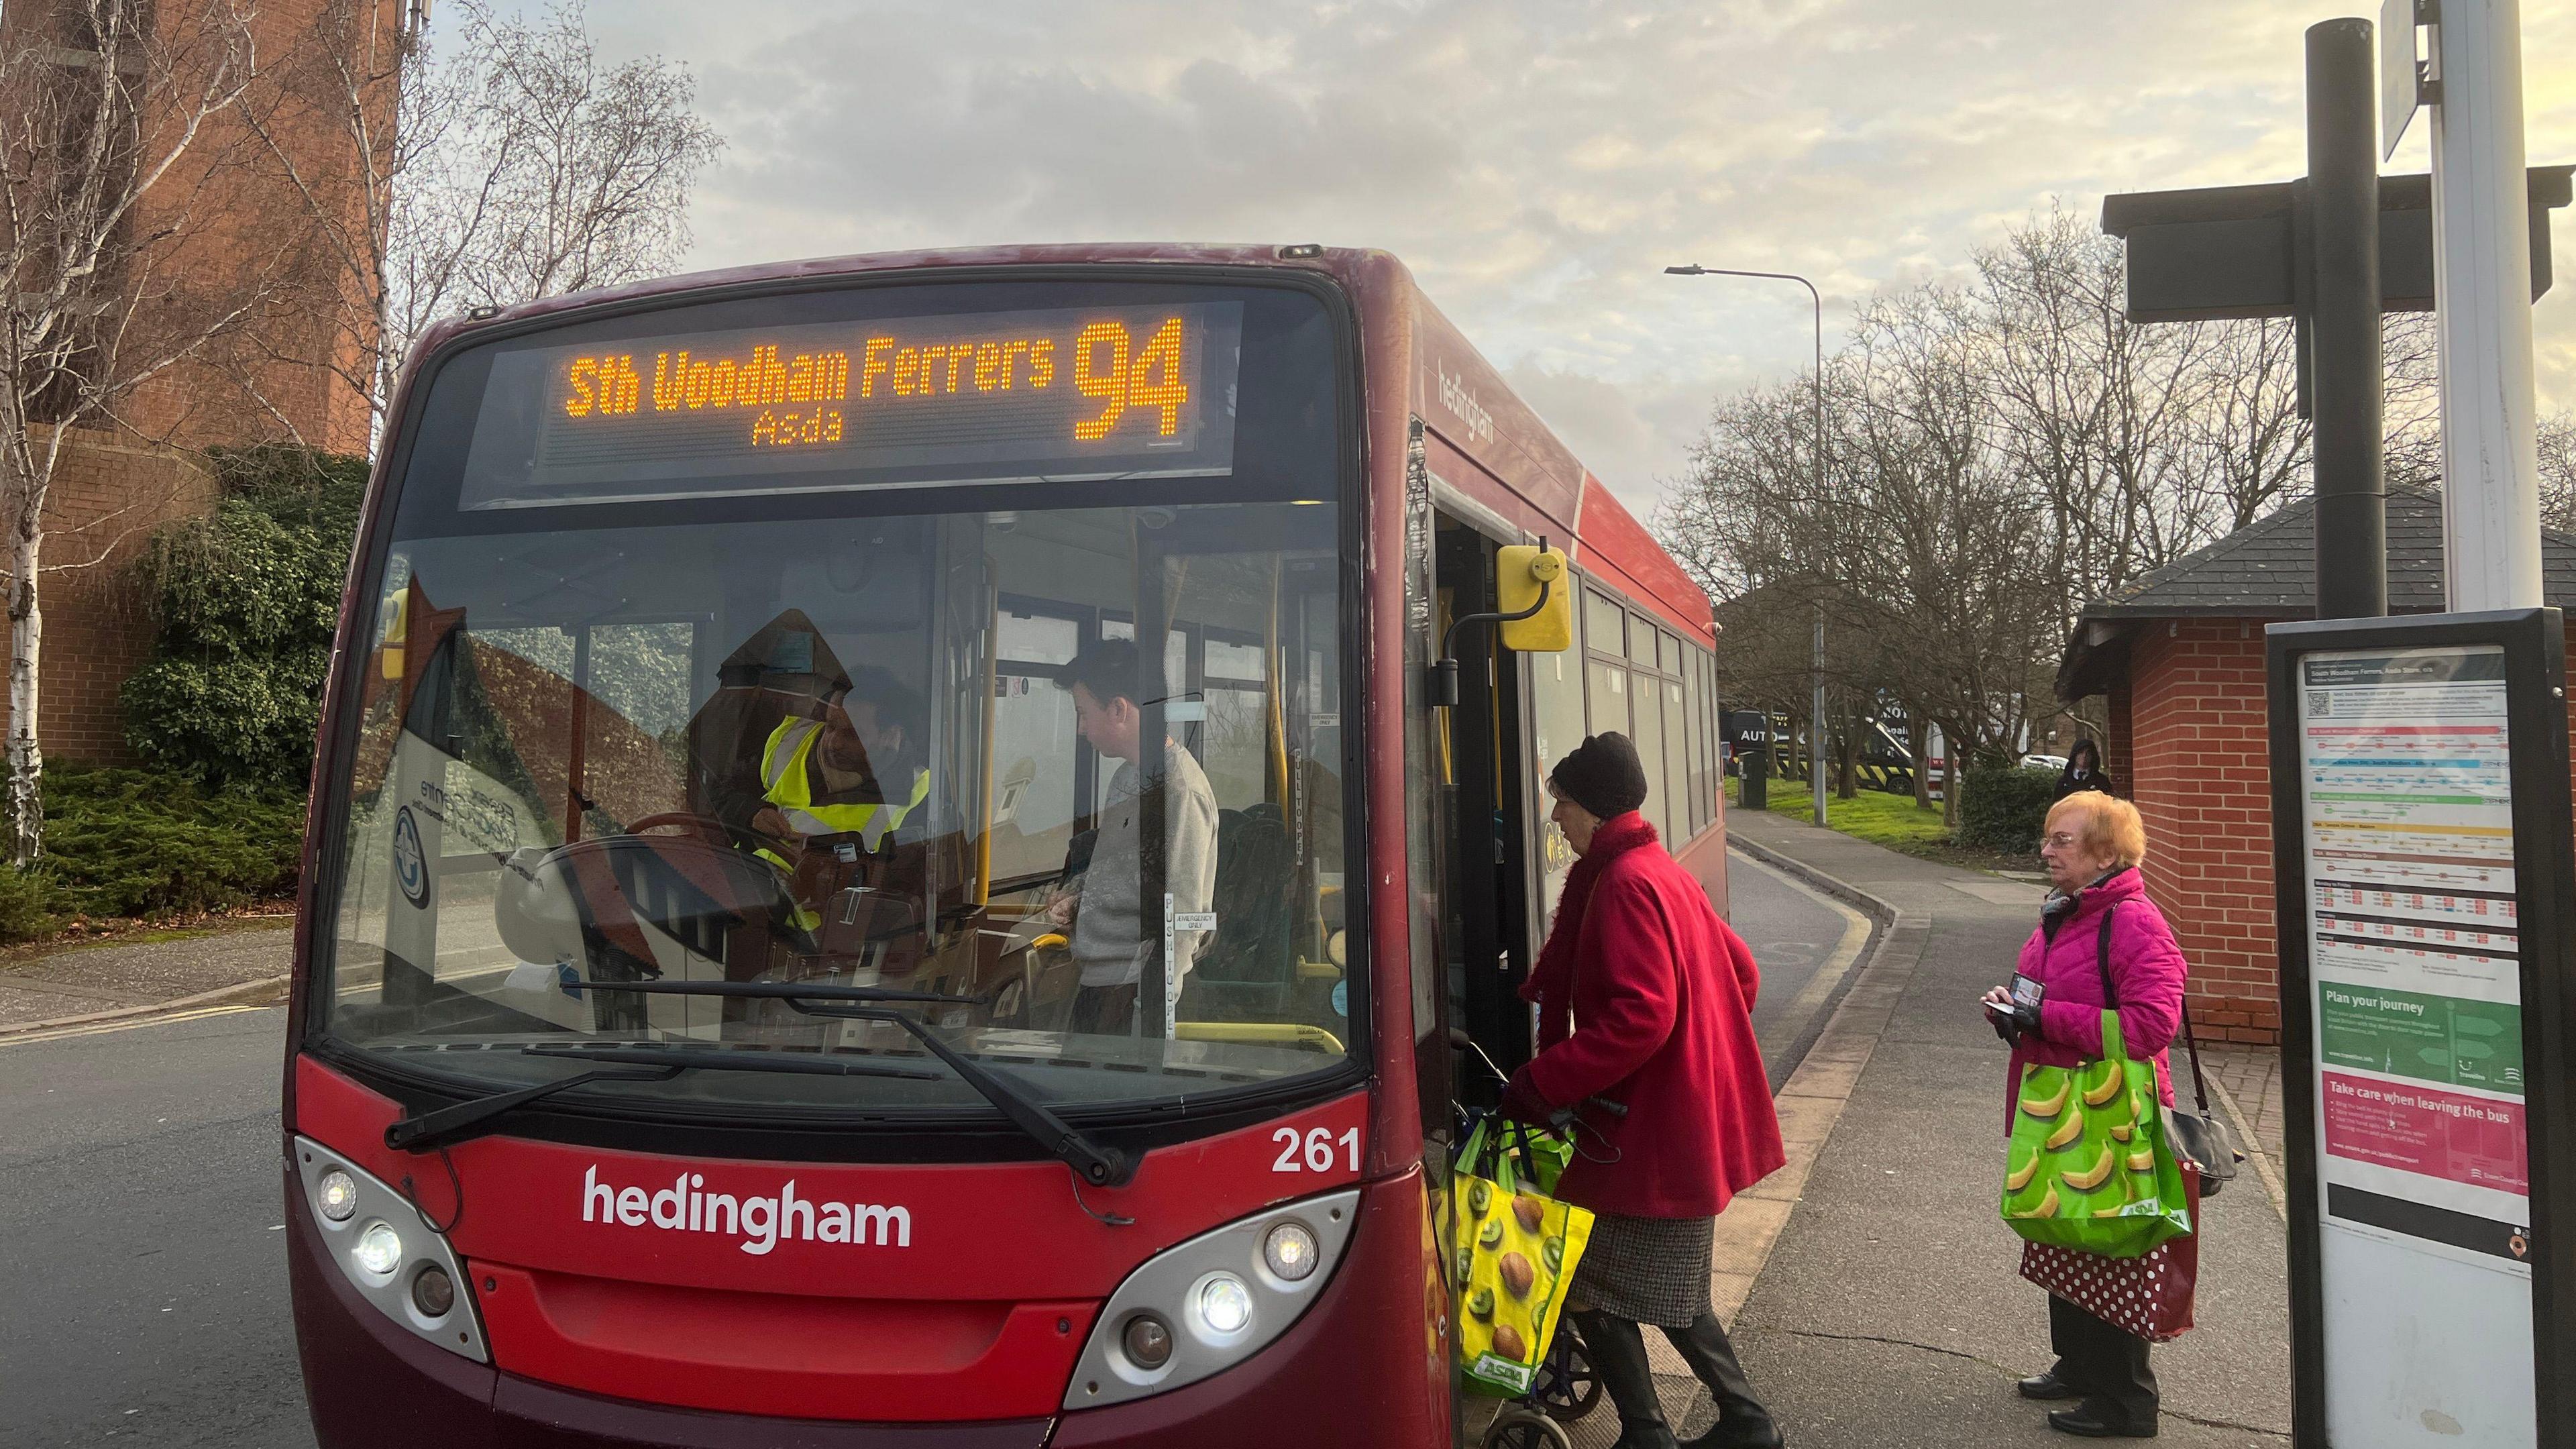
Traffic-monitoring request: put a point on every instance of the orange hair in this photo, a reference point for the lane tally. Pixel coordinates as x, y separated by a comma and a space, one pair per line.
2104, 823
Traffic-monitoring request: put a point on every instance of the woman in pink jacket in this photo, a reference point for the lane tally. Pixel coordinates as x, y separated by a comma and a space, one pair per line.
2092, 847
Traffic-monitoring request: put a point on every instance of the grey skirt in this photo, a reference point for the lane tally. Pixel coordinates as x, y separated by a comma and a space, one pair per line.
1648, 1270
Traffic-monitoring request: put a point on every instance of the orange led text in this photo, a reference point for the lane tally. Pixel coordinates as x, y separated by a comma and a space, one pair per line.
765, 379
775, 429
1107, 366
793, 399
990, 366
601, 384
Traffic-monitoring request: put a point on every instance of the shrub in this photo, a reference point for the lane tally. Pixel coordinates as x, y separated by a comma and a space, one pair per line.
246, 601
148, 843
26, 909
2004, 808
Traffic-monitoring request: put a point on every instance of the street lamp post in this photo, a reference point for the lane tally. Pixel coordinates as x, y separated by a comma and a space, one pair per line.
1816, 727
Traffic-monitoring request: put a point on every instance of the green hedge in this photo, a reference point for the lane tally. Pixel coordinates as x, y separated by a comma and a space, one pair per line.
2003, 808
148, 843
246, 600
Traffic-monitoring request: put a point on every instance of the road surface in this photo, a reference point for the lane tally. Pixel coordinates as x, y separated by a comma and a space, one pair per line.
142, 1215
145, 1262
1805, 944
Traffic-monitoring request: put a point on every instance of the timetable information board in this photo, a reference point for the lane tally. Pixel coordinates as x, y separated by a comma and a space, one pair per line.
1032, 396
2414, 950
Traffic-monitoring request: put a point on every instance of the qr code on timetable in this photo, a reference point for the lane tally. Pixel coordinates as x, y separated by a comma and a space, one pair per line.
2320, 704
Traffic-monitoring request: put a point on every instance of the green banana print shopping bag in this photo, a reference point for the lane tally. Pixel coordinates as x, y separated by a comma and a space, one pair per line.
2089, 1167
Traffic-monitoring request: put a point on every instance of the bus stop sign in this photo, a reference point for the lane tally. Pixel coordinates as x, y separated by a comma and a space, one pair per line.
2424, 872
2219, 252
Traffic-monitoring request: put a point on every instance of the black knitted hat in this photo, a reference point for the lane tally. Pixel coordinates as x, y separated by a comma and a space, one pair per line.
1602, 775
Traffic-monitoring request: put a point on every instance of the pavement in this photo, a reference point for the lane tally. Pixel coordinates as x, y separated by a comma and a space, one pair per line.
237, 961
1880, 1303
147, 1260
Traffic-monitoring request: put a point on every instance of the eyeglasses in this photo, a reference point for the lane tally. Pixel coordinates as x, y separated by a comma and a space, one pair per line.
2060, 838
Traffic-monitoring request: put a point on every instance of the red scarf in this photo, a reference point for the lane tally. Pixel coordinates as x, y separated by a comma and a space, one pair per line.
1551, 981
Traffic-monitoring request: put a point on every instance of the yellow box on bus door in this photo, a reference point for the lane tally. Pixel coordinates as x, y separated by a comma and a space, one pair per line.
1521, 572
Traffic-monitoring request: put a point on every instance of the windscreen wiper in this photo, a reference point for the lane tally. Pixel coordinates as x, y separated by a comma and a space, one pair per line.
448, 1125
1091, 1162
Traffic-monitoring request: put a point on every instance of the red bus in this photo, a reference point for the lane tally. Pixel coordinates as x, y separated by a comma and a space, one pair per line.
731, 1005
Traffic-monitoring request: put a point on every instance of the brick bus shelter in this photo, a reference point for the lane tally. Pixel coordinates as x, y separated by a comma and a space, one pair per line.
2178, 658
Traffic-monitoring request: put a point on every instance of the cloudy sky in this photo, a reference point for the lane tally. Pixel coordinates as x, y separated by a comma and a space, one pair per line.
1536, 162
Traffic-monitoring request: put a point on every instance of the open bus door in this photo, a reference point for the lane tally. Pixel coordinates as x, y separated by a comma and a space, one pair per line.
1485, 943
1489, 821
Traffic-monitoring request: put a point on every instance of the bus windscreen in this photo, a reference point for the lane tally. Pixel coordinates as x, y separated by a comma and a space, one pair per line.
1032, 396
1061, 761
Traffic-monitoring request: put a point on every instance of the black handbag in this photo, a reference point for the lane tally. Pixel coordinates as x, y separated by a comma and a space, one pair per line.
2202, 1139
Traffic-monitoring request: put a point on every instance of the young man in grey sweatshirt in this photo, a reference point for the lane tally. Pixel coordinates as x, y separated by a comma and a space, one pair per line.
1114, 934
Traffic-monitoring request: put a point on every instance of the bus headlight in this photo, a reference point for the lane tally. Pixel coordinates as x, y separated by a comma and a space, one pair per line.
379, 1249
336, 1196
383, 1248
1148, 1342
1205, 1305
433, 1292
1289, 1250
1225, 1305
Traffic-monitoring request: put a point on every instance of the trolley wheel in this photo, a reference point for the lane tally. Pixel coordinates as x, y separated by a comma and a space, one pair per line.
1567, 1386
1518, 1427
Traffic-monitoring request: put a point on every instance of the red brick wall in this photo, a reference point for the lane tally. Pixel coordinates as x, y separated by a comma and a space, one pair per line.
2198, 774
246, 237
236, 237
108, 497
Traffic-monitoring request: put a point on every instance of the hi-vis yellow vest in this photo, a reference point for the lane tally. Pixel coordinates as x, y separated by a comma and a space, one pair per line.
788, 784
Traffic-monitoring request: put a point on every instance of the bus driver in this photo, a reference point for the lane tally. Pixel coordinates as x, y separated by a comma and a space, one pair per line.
850, 772
1110, 939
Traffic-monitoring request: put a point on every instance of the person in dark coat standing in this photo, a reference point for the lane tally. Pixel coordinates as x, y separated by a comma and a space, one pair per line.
2083, 771
1645, 998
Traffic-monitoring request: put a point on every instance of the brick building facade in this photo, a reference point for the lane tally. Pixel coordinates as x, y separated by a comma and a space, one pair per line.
108, 496
2178, 658
242, 235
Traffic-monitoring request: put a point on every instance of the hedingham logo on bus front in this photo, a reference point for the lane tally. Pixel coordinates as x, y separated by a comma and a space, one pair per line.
685, 1207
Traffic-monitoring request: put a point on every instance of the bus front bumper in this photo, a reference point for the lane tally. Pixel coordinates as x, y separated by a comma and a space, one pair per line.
1363, 1366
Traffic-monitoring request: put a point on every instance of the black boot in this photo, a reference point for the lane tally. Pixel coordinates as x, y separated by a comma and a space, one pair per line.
1618, 1351
1742, 1422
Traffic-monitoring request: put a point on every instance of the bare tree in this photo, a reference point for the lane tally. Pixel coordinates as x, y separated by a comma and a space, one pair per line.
2558, 471
1999, 454
500, 162
1921, 551
110, 120
2250, 446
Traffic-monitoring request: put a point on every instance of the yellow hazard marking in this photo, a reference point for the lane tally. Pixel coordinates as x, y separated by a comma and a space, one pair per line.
98, 1028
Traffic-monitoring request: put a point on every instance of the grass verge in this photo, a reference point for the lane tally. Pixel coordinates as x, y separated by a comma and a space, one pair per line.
1893, 821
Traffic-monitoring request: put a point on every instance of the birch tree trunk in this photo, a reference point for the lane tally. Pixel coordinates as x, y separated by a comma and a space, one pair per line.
26, 649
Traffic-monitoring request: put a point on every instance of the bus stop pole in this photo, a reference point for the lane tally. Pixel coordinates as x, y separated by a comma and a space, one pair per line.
2344, 329
2482, 272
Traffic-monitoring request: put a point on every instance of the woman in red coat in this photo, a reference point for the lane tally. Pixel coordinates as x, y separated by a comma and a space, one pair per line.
1645, 998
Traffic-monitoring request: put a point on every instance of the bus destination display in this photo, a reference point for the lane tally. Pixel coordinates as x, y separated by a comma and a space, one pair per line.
994, 397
